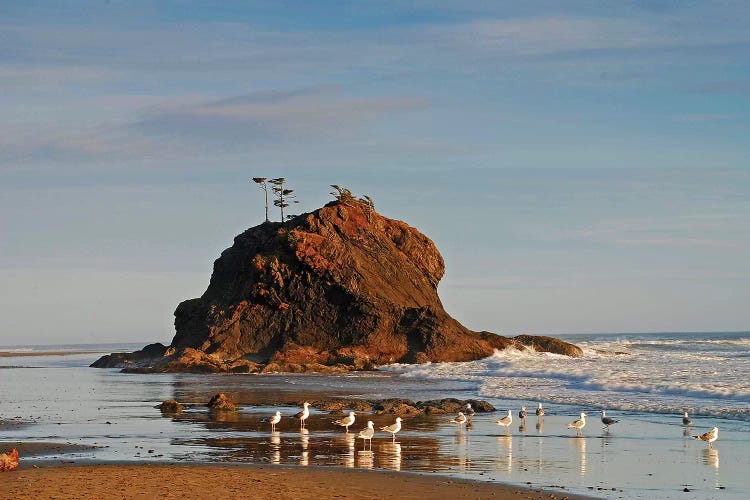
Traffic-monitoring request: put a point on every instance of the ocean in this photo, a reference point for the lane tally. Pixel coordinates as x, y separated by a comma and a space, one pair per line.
646, 381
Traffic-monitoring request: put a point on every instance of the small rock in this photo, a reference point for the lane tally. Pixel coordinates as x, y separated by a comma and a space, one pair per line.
221, 401
170, 406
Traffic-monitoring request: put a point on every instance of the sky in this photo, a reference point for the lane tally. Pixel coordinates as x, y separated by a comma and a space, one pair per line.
583, 166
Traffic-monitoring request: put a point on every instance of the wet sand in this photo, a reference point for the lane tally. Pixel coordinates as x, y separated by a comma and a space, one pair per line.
223, 481
42, 449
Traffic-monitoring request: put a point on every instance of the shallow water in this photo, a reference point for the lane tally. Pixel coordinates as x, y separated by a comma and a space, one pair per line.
646, 455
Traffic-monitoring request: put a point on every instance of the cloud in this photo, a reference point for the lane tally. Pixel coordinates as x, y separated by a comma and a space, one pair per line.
306, 114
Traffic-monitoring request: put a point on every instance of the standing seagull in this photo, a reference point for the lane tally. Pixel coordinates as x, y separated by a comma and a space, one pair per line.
393, 428
540, 411
685, 419
346, 421
710, 436
607, 421
302, 416
506, 421
275, 420
460, 419
366, 434
522, 413
469, 411
579, 424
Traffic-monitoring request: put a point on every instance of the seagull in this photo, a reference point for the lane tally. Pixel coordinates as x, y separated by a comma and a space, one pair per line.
710, 436
579, 424
685, 419
469, 411
275, 420
367, 433
346, 421
540, 411
302, 416
393, 428
522, 413
607, 421
506, 421
460, 419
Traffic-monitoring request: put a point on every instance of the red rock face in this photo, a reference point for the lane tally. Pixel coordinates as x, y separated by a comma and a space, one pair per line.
340, 288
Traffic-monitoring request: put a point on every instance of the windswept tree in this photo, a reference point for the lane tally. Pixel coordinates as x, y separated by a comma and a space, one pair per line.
342, 194
261, 182
345, 197
284, 197
369, 206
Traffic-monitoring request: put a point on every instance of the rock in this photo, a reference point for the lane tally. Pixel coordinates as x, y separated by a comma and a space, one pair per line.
341, 288
398, 407
170, 406
339, 405
221, 401
452, 406
122, 359
541, 343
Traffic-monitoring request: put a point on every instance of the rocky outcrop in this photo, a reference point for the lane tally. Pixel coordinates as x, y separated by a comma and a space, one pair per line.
342, 288
540, 343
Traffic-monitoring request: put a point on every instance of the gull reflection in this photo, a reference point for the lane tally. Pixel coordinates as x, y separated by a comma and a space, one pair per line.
365, 459
392, 458
275, 447
462, 456
506, 448
710, 457
581, 444
350, 442
540, 425
522, 427
305, 441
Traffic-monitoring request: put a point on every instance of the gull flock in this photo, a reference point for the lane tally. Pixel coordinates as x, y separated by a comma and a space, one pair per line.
464, 418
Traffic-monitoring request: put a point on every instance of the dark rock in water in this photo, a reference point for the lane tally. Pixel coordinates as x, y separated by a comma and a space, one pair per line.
452, 406
338, 405
221, 401
121, 359
170, 406
541, 343
399, 407
342, 288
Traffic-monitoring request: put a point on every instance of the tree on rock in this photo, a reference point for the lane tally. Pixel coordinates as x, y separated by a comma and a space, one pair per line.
283, 196
261, 181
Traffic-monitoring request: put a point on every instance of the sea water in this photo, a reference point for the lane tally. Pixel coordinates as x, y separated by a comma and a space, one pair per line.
645, 381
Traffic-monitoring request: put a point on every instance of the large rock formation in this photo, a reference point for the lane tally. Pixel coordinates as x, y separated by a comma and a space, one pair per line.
337, 289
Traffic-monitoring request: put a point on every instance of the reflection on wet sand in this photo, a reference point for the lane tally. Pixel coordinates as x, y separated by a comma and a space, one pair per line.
391, 458
365, 459
710, 457
305, 442
581, 445
349, 442
505, 453
275, 447
540, 425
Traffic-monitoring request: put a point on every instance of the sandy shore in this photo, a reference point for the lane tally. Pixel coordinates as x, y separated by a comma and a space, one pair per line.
223, 481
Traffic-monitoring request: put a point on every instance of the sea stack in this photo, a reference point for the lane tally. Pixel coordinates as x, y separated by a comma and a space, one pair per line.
341, 288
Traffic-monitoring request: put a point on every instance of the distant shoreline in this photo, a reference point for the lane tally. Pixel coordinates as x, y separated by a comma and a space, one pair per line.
16, 354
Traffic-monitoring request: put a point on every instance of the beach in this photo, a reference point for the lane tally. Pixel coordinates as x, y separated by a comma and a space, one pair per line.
221, 481
67, 418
